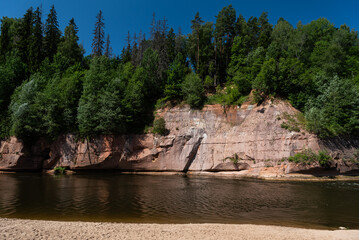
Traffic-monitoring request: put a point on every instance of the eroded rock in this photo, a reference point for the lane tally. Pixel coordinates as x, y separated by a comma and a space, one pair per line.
204, 140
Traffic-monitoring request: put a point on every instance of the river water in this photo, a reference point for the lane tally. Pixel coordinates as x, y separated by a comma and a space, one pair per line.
113, 197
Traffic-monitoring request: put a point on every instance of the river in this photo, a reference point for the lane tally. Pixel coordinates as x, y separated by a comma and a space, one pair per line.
113, 197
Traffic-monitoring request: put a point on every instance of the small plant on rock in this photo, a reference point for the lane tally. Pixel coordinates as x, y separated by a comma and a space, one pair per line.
59, 170
323, 158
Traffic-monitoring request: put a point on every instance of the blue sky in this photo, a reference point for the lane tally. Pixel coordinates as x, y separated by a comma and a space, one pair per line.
135, 15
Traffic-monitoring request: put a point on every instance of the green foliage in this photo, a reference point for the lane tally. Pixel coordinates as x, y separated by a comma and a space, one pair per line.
229, 96
52, 34
266, 80
47, 86
193, 90
175, 76
100, 107
294, 122
235, 158
69, 52
309, 157
59, 170
153, 84
25, 117
323, 158
335, 111
159, 126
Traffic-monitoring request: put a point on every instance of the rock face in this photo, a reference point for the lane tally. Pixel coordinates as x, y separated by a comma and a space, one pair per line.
15, 156
248, 139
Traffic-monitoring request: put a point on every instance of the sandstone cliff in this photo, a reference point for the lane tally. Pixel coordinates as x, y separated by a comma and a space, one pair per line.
249, 140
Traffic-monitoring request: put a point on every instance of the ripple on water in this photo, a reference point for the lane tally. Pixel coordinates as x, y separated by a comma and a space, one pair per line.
178, 199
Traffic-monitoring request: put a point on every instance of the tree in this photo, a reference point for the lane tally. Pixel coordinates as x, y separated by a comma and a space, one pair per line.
26, 121
99, 35
193, 90
57, 103
175, 76
224, 33
36, 42
69, 51
195, 36
24, 34
96, 81
108, 48
201, 50
4, 39
265, 31
171, 45
335, 111
266, 80
153, 84
52, 34
281, 35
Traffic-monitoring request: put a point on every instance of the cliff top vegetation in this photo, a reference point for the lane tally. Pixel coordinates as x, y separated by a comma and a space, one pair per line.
48, 87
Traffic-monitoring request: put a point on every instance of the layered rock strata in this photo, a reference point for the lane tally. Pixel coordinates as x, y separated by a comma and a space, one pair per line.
248, 139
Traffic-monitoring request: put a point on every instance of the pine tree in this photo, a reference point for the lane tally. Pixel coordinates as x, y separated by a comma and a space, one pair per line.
52, 34
24, 34
265, 31
224, 36
72, 23
171, 45
196, 25
69, 51
36, 43
108, 48
4, 39
99, 35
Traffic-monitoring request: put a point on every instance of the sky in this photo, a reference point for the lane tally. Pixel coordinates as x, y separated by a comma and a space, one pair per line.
121, 16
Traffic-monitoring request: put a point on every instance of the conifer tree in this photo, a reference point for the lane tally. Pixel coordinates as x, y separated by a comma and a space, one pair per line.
196, 25
265, 31
224, 36
99, 35
24, 34
4, 39
69, 51
171, 45
108, 48
52, 34
72, 22
36, 43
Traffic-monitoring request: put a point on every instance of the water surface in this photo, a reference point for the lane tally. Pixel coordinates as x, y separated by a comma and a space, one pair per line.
178, 199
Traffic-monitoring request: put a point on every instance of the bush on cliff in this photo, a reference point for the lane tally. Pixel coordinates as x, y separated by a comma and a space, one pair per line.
309, 157
159, 126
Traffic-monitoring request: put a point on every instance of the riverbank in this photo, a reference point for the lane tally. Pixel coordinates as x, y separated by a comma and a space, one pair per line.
294, 177
35, 229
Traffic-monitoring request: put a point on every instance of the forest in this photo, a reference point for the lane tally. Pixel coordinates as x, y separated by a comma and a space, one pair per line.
48, 86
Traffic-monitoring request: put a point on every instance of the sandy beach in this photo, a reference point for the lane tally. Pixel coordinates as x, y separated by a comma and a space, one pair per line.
34, 229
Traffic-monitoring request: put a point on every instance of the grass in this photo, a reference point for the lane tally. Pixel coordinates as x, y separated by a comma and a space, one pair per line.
235, 159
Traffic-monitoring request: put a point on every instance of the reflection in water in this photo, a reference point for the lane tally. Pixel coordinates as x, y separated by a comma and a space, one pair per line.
177, 199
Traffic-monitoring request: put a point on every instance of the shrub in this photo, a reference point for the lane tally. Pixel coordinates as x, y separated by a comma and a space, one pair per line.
293, 122
59, 170
323, 158
308, 157
159, 126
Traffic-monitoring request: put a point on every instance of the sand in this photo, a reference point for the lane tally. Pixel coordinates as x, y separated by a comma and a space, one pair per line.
34, 229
